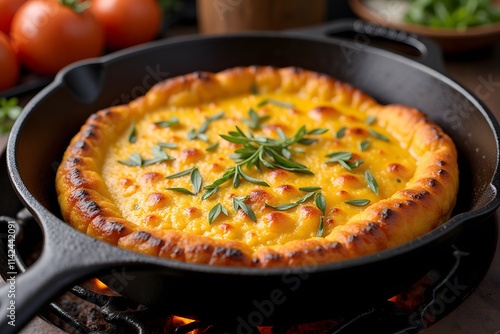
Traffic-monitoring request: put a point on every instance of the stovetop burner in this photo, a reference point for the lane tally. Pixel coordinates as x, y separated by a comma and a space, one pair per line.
82, 311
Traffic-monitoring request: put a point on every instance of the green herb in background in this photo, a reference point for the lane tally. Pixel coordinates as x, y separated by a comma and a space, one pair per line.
455, 14
9, 111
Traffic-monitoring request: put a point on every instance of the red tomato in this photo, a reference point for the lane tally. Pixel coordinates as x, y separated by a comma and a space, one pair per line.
128, 22
9, 65
7, 10
48, 35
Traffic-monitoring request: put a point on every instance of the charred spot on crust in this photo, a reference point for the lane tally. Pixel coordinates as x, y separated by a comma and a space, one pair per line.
206, 248
442, 172
155, 242
272, 257
319, 250
106, 111
441, 163
72, 161
255, 260
432, 182
80, 145
141, 236
295, 69
177, 251
75, 177
399, 205
352, 238
201, 75
293, 254
228, 252
409, 202
386, 213
335, 245
370, 227
420, 195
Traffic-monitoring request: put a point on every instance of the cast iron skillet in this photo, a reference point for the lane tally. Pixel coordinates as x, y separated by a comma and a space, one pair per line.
240, 297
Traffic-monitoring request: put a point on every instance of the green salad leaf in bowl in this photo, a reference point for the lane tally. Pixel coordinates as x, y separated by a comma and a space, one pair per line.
454, 14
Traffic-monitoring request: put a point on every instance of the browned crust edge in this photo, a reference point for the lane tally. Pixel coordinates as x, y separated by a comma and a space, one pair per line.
425, 204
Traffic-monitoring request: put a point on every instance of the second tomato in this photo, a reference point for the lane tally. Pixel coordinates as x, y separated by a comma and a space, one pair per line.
128, 22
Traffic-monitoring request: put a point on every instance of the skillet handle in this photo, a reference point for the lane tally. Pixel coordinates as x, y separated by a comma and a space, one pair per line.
64, 261
364, 34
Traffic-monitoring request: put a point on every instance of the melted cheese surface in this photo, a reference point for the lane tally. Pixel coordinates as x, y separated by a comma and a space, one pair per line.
141, 192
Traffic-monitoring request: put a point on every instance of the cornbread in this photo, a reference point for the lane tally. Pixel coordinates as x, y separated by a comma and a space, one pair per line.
257, 166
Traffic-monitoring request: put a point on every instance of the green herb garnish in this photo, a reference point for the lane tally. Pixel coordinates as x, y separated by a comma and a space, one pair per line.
195, 177
378, 135
370, 120
276, 103
134, 160
239, 203
174, 120
363, 146
9, 112
284, 207
254, 120
200, 133
167, 145
212, 147
262, 151
372, 183
132, 137
215, 212
320, 202
358, 202
309, 189
341, 132
159, 156
342, 159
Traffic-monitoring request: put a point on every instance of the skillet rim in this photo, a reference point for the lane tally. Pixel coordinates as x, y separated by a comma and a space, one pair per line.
46, 218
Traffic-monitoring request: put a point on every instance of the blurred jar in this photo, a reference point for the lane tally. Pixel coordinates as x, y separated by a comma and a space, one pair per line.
225, 16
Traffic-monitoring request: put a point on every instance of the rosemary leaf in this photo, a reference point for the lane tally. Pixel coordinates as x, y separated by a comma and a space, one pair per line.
370, 120
363, 146
320, 202
284, 207
239, 203
196, 180
174, 120
338, 156
377, 135
321, 227
167, 145
358, 202
134, 160
215, 212
309, 189
341, 132
276, 103
209, 193
184, 172
254, 121
372, 183
212, 147
132, 137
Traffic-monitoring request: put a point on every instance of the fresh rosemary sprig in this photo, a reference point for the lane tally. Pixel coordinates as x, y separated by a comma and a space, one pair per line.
135, 159
320, 202
132, 137
342, 159
215, 212
358, 202
196, 181
200, 133
262, 151
372, 183
239, 203
174, 120
284, 207
276, 103
254, 120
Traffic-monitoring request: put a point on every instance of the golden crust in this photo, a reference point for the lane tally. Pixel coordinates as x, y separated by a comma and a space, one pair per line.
424, 203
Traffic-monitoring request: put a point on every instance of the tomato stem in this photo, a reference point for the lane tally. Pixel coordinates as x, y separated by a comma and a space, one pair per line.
79, 6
